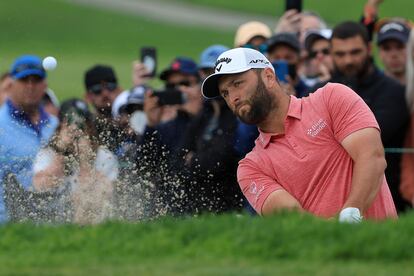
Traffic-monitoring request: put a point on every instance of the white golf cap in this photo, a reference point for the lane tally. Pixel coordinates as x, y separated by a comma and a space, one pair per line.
233, 61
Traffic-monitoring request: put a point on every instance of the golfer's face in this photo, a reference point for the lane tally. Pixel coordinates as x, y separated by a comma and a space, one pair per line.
237, 90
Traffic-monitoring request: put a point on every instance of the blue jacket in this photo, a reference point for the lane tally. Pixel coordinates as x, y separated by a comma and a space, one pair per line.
20, 141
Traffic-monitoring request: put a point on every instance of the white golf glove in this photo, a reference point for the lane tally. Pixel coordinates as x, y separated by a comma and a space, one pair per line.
350, 215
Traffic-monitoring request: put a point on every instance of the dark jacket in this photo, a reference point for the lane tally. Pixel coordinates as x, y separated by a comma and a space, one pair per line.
386, 98
210, 180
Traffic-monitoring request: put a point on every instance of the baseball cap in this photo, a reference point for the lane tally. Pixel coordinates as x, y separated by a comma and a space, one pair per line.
27, 65
135, 96
98, 74
209, 56
249, 30
233, 61
312, 36
288, 39
182, 65
393, 30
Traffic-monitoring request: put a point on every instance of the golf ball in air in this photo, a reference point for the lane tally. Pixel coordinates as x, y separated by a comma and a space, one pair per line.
49, 63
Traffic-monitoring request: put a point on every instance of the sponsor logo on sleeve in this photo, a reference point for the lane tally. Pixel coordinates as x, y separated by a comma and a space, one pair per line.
255, 190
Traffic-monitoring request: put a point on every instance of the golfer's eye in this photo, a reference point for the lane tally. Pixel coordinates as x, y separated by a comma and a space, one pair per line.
237, 83
224, 93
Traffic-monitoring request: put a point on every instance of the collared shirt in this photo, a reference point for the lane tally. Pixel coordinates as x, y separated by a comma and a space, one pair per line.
20, 141
308, 160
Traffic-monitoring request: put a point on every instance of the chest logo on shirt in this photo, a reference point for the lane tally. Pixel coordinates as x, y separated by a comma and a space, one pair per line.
316, 128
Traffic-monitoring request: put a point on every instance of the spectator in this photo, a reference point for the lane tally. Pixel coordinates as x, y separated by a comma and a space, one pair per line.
162, 139
252, 34
299, 23
392, 38
168, 123
75, 155
101, 90
208, 156
5, 81
285, 46
321, 154
318, 56
354, 67
24, 124
208, 59
407, 162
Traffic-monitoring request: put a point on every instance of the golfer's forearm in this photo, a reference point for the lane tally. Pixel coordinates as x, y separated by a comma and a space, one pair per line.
367, 178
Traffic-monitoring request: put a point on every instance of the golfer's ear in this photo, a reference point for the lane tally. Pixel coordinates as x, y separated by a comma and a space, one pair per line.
269, 77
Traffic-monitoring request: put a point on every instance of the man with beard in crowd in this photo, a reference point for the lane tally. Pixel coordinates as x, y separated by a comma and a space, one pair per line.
101, 91
320, 154
354, 67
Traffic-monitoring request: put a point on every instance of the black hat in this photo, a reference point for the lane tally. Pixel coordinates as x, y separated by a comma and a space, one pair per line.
98, 74
314, 35
288, 39
395, 31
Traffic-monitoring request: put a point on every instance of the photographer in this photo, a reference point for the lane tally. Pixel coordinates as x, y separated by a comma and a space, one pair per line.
74, 156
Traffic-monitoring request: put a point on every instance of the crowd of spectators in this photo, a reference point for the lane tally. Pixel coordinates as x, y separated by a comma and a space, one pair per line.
127, 154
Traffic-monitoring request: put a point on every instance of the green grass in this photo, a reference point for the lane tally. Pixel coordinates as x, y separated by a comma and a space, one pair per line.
209, 245
80, 37
332, 11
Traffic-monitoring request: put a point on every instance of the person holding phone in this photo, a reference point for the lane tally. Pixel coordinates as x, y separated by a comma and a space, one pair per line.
285, 48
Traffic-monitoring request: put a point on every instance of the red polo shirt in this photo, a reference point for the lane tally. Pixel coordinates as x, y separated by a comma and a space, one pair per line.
308, 160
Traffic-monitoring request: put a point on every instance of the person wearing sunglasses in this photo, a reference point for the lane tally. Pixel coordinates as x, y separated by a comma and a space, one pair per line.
101, 91
318, 56
24, 124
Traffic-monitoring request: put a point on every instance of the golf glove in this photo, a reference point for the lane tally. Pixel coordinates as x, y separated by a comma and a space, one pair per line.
350, 215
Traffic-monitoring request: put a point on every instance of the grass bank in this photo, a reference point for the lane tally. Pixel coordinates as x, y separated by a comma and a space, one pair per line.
222, 245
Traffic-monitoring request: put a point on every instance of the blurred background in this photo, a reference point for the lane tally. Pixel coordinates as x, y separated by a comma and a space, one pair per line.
80, 33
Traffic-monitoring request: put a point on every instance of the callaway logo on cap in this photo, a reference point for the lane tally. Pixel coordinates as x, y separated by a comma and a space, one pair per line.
233, 61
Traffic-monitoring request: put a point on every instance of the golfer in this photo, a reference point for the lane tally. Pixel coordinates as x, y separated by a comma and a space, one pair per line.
321, 154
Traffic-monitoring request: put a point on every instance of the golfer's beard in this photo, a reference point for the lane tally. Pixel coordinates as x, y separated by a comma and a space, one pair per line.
261, 103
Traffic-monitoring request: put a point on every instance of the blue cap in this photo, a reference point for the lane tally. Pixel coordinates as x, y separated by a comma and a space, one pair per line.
182, 65
27, 65
209, 56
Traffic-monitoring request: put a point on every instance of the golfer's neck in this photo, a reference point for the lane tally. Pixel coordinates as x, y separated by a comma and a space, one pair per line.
275, 121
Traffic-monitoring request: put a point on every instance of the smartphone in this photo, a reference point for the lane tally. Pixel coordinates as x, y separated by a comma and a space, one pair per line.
281, 69
149, 59
294, 5
170, 97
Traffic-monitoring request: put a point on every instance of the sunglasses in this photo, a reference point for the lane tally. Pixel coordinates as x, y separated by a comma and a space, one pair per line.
324, 51
98, 88
262, 48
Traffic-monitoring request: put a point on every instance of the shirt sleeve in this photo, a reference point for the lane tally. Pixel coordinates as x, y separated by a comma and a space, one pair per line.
255, 184
348, 111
